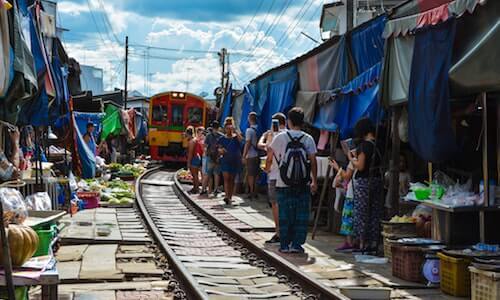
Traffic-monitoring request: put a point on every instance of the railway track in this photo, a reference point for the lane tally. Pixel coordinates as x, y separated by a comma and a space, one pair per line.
210, 259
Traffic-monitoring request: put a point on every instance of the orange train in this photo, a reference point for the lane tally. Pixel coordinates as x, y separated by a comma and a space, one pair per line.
170, 113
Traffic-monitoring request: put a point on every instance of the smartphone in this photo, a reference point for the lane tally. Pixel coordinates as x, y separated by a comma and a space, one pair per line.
276, 126
347, 145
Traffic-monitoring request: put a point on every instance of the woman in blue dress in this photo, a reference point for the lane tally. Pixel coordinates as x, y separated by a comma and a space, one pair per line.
230, 157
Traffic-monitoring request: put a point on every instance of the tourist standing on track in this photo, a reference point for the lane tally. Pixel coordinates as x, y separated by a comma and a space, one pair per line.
368, 201
230, 158
251, 155
195, 151
211, 177
296, 152
278, 125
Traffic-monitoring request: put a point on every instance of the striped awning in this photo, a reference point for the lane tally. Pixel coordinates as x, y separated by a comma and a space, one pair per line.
407, 24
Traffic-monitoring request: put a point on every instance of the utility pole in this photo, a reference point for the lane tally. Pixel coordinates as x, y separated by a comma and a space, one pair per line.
126, 72
350, 14
223, 69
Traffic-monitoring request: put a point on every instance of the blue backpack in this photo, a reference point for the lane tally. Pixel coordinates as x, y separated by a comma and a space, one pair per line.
295, 166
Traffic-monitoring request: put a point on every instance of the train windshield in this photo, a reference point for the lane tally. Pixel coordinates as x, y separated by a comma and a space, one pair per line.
159, 113
195, 115
177, 112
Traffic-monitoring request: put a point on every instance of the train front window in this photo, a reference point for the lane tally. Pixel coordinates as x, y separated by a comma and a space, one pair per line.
177, 115
159, 113
195, 115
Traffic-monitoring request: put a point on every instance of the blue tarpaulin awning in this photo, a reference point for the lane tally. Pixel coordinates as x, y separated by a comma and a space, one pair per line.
82, 119
357, 99
226, 105
280, 98
367, 43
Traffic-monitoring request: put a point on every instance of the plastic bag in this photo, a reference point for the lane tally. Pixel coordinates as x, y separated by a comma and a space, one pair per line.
38, 201
72, 182
14, 209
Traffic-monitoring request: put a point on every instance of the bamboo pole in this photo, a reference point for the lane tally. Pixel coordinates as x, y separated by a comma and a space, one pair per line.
326, 184
486, 185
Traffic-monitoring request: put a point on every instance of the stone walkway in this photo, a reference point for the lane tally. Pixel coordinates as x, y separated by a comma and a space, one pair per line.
321, 261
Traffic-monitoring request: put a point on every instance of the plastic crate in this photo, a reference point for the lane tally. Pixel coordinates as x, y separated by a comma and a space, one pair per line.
400, 229
485, 285
45, 237
455, 277
407, 263
90, 199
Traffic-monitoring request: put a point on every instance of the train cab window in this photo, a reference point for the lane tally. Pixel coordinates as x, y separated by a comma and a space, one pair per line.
177, 115
159, 113
195, 115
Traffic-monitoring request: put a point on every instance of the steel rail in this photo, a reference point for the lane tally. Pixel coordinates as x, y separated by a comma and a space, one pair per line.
188, 283
307, 283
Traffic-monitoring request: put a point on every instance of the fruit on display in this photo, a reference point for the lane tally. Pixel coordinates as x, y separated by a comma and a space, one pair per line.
23, 242
403, 219
184, 175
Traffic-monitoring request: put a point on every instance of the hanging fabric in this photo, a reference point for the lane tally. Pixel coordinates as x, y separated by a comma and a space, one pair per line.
246, 108
307, 101
4, 50
281, 97
367, 44
226, 105
429, 128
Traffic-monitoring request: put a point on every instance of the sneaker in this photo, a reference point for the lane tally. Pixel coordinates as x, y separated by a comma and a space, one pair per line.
297, 249
284, 250
274, 240
203, 193
193, 191
227, 201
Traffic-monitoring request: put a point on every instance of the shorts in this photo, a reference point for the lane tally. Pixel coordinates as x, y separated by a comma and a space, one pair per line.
204, 165
253, 165
210, 168
196, 162
271, 191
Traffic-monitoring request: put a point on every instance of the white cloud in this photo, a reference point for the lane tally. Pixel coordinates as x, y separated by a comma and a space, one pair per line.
71, 8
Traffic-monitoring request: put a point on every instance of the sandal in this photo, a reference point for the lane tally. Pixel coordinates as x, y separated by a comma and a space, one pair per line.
227, 201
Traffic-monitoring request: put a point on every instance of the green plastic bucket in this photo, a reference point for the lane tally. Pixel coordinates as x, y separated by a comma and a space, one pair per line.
45, 237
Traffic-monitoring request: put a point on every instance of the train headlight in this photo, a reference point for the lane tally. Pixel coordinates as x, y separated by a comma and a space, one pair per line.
181, 95
174, 94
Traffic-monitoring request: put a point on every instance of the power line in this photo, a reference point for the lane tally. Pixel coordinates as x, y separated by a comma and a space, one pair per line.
248, 25
285, 36
262, 25
107, 22
272, 26
300, 14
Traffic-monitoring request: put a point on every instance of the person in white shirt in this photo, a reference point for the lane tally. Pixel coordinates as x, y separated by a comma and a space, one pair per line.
278, 125
251, 155
296, 152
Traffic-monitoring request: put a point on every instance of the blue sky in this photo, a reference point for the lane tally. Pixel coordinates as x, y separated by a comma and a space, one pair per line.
259, 34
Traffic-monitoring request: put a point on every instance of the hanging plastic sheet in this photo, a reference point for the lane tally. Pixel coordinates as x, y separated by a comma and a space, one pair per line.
237, 103
327, 70
357, 99
4, 52
367, 44
85, 154
131, 122
307, 101
246, 108
141, 128
226, 105
475, 54
82, 119
259, 88
281, 97
111, 125
429, 122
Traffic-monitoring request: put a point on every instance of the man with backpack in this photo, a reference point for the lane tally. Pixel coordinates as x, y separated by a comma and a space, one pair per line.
212, 157
251, 155
295, 151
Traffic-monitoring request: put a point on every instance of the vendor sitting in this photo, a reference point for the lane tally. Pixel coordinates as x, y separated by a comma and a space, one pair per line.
88, 137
